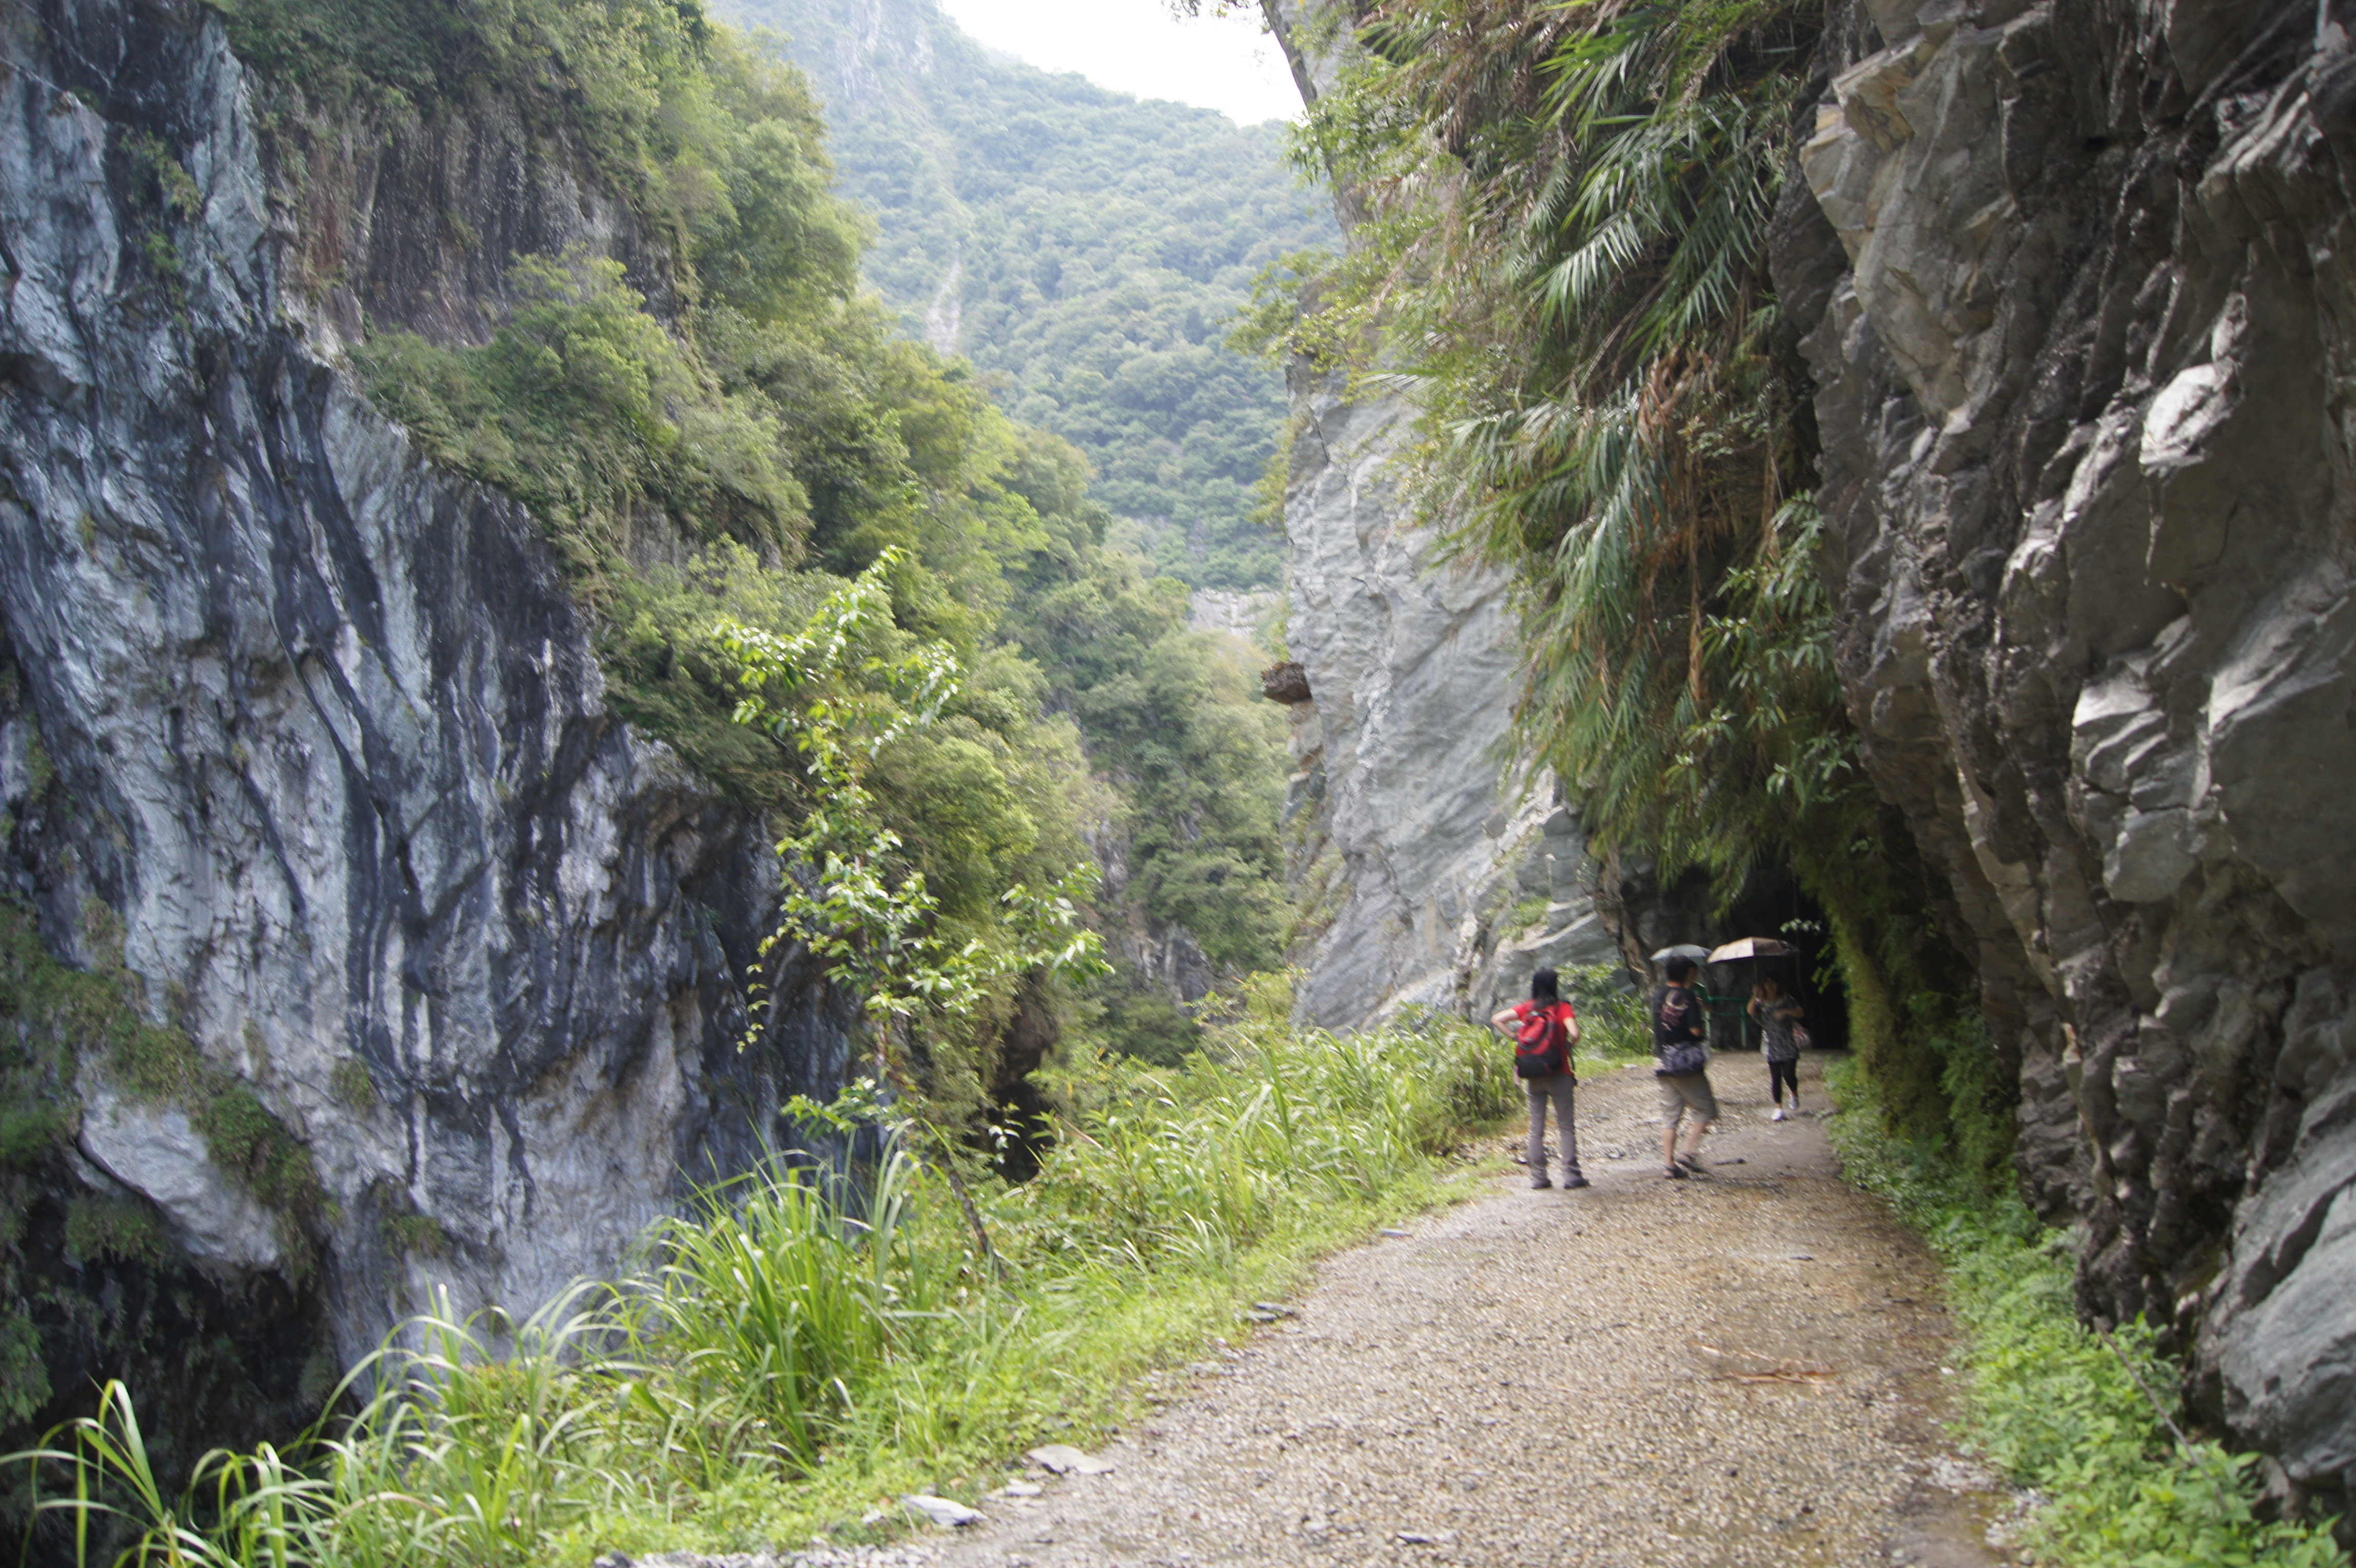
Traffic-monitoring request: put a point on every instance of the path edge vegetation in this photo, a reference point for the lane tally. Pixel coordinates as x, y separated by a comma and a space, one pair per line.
2089, 1420
803, 1348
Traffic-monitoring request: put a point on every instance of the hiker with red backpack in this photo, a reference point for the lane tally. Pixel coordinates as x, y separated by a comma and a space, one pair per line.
1544, 1029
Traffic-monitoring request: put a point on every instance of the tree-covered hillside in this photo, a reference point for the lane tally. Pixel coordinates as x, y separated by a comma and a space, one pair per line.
1082, 248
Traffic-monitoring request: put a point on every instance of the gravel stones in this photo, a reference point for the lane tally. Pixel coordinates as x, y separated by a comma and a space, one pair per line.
1737, 1369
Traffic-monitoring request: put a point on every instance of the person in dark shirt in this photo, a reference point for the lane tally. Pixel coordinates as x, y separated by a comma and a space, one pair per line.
1680, 1036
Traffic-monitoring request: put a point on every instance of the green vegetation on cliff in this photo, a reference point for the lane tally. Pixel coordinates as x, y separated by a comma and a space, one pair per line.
775, 436
716, 437
1083, 249
1175, 721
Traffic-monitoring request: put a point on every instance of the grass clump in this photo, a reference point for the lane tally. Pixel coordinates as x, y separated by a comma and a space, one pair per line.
2091, 1422
416, 1236
801, 1344
354, 1087
112, 1227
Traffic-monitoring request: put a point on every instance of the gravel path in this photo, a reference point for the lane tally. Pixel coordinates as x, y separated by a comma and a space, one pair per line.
1738, 1370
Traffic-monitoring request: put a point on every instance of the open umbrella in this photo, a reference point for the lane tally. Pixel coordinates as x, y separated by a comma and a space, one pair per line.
1744, 947
1748, 949
1684, 949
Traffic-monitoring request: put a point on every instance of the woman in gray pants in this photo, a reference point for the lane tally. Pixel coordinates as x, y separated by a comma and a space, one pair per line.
1546, 999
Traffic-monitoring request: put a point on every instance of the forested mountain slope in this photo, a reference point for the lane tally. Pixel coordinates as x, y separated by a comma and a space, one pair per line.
1082, 248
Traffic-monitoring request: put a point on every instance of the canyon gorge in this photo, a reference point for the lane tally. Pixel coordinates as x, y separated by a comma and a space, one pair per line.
366, 955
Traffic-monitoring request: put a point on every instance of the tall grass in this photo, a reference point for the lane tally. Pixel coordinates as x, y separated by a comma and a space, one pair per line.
793, 1350
2084, 1420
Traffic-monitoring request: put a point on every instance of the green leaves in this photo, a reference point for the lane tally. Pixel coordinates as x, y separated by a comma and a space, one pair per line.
833, 694
583, 407
1174, 720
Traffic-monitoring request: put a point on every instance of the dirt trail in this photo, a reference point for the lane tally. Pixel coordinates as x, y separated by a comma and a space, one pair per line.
1737, 1369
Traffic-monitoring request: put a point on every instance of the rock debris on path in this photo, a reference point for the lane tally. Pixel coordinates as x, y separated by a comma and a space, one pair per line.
1742, 1368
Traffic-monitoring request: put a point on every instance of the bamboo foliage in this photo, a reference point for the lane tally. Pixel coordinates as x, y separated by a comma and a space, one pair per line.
1563, 263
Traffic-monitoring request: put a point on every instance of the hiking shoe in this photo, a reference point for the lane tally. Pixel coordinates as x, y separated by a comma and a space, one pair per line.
1572, 1184
1539, 1183
1675, 1172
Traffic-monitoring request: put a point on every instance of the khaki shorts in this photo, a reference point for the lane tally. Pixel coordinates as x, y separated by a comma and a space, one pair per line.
1689, 1092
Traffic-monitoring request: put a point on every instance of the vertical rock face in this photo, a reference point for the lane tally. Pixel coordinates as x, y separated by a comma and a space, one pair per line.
310, 738
2076, 290
1443, 879
1433, 852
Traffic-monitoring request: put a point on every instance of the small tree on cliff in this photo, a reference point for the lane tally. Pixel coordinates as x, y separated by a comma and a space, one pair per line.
835, 695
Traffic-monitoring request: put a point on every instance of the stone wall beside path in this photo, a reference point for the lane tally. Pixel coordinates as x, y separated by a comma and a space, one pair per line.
2077, 287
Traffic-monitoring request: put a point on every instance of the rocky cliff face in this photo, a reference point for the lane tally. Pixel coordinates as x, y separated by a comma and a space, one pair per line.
2074, 285
1445, 880
1440, 878
308, 739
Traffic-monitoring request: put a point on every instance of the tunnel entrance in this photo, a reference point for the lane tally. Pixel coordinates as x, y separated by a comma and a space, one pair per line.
1654, 916
1775, 905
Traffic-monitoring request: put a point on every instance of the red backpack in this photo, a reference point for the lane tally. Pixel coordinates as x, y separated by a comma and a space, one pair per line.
1542, 1048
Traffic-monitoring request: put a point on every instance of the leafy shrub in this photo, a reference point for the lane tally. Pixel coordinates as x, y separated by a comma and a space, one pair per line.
416, 1236
1174, 719
583, 408
112, 1227
1611, 1023
24, 1376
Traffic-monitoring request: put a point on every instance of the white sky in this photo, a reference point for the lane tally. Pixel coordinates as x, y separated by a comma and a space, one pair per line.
1226, 63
